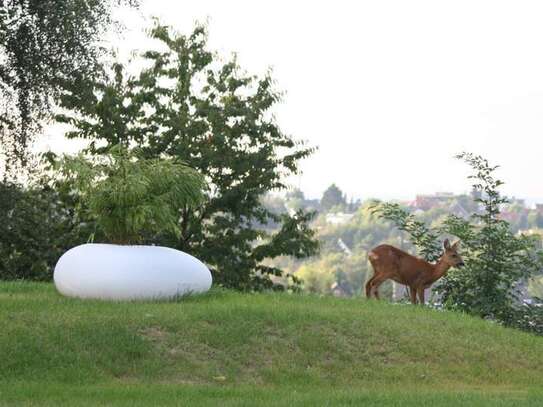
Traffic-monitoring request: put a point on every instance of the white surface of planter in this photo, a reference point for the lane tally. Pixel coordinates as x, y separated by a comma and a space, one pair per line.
113, 272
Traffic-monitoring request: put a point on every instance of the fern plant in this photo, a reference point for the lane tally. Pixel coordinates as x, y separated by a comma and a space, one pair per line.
129, 196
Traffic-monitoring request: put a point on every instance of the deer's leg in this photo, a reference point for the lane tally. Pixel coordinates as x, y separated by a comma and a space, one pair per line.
413, 294
368, 287
420, 292
376, 283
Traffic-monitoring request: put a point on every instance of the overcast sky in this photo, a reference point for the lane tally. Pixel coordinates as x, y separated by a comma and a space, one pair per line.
389, 90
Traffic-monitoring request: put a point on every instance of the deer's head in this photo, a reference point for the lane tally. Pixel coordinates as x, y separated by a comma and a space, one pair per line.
450, 254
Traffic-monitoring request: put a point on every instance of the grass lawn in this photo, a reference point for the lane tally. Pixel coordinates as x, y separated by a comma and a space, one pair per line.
231, 349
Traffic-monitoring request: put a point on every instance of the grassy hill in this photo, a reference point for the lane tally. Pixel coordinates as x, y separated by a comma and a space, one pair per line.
233, 349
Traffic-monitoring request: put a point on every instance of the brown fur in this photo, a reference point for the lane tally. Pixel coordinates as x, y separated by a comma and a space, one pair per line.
389, 262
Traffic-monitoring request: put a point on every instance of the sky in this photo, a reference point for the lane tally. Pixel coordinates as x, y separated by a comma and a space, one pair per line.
389, 91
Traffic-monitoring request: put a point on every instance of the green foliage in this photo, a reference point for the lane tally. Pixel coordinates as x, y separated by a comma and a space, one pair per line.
332, 197
497, 260
424, 239
535, 219
535, 288
294, 200
130, 197
334, 273
189, 105
44, 44
37, 225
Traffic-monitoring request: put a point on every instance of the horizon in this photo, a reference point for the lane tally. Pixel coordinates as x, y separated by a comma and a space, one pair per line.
529, 201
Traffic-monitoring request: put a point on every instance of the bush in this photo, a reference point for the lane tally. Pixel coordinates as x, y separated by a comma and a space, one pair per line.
37, 225
497, 261
130, 197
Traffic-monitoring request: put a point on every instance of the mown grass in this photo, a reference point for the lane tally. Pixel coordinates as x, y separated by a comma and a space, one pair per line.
226, 348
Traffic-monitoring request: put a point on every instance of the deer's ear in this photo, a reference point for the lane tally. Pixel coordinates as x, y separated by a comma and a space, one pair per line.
456, 245
446, 244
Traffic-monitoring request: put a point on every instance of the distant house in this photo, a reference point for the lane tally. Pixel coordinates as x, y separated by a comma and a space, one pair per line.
459, 211
509, 216
438, 200
426, 202
513, 215
338, 218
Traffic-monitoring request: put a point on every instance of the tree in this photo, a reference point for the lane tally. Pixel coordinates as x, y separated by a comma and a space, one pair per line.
335, 273
497, 260
44, 44
189, 105
130, 197
332, 197
421, 236
534, 219
295, 200
37, 225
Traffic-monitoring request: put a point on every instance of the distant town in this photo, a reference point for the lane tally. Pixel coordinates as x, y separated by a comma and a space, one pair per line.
347, 230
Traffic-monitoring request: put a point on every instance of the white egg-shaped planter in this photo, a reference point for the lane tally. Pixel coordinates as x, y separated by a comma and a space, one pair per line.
113, 272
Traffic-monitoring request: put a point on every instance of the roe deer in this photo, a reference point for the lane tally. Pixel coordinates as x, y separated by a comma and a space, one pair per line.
389, 262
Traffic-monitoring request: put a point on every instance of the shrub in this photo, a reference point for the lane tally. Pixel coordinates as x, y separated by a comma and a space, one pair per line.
37, 225
497, 261
130, 197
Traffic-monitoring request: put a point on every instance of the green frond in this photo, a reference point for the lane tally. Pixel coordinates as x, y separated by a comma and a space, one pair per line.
130, 196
